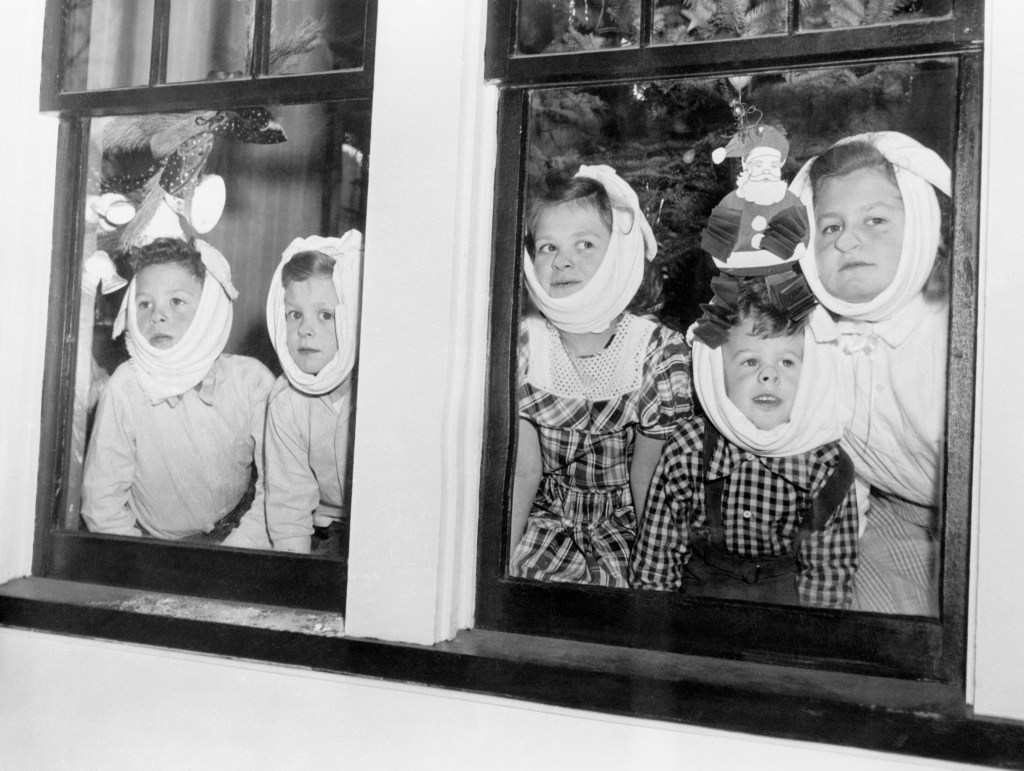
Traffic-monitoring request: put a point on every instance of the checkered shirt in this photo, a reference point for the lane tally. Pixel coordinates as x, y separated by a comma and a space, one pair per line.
763, 503
583, 522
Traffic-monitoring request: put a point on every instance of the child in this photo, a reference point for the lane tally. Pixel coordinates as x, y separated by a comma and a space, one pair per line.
877, 234
756, 501
601, 387
179, 424
312, 313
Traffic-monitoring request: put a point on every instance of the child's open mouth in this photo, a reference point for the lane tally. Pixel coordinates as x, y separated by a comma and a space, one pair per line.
767, 400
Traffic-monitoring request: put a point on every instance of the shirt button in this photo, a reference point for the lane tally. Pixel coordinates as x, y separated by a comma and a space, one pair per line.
746, 515
749, 456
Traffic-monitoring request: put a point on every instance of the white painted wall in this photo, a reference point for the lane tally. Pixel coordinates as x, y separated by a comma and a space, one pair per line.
67, 703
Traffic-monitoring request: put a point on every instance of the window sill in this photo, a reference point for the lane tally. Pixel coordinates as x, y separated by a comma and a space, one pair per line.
882, 714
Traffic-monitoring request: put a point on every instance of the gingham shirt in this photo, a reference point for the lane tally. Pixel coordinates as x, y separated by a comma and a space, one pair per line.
763, 503
587, 446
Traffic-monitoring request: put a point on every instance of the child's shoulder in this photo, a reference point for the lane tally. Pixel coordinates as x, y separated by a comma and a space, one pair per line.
245, 370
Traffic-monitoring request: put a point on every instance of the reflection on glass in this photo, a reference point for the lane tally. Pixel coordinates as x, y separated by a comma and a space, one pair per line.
317, 35
822, 14
209, 39
660, 137
556, 26
108, 43
686, 21
182, 463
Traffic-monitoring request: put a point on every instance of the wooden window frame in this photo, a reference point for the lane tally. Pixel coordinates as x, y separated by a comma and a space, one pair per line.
913, 648
145, 564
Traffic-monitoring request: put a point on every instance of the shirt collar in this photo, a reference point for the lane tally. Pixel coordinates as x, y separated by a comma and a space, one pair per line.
204, 388
893, 331
798, 470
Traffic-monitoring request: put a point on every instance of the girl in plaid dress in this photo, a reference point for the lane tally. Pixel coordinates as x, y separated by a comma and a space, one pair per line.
601, 386
874, 247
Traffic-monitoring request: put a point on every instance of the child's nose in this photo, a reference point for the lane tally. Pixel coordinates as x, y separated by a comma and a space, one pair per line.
768, 375
847, 240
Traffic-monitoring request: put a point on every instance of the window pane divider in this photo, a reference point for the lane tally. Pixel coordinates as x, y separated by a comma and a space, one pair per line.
160, 42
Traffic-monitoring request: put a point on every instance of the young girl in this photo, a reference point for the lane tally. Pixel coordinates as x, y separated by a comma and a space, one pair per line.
873, 249
601, 387
180, 425
312, 312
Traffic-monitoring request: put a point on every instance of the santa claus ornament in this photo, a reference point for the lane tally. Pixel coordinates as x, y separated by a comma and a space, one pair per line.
760, 228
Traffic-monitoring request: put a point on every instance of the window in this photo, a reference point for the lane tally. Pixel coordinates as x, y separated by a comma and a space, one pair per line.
274, 101
652, 94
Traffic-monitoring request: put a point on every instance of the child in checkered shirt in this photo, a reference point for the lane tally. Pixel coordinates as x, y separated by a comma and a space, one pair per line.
756, 500
601, 384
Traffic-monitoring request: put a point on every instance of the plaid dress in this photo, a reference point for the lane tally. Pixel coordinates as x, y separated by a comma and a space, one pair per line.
587, 411
764, 502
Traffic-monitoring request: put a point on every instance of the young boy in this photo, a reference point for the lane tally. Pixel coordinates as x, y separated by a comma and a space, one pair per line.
755, 501
312, 313
180, 425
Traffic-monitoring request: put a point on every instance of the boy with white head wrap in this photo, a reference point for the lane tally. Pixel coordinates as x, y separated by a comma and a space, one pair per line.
601, 386
755, 501
309, 418
180, 424
890, 349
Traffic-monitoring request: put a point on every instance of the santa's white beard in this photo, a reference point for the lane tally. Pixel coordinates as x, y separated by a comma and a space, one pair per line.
761, 192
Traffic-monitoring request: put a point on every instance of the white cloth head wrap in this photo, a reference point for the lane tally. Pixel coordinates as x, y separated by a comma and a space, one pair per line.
814, 421
918, 169
163, 373
609, 292
346, 252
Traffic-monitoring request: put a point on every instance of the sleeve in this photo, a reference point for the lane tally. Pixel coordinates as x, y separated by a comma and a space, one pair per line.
251, 532
663, 531
110, 464
665, 390
292, 490
827, 561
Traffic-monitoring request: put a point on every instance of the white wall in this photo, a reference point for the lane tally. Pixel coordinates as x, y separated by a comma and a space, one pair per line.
67, 703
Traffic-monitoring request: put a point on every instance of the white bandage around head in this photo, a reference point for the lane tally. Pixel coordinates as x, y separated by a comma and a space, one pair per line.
347, 253
919, 172
594, 307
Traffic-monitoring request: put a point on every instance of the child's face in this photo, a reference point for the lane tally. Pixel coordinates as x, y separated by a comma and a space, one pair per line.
166, 300
859, 219
570, 243
309, 309
762, 374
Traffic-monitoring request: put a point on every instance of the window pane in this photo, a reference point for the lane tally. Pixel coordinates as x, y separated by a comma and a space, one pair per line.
556, 26
317, 35
108, 43
659, 137
824, 14
682, 21
173, 466
208, 39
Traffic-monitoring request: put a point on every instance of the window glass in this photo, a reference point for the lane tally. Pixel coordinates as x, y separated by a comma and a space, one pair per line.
557, 26
661, 137
341, 27
209, 40
108, 43
683, 22
822, 14
245, 183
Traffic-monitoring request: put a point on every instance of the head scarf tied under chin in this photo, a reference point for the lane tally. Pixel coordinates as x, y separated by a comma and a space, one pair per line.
346, 252
814, 421
918, 172
163, 373
594, 307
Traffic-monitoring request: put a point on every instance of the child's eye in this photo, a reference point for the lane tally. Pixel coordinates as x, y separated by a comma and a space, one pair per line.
829, 230
144, 305
877, 220
292, 315
546, 249
788, 362
326, 316
177, 301
748, 363
586, 244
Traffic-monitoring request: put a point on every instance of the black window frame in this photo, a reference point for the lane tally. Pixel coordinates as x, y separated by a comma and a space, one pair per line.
145, 564
912, 648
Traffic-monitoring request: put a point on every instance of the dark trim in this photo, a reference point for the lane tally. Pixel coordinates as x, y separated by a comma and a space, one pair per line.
501, 23
260, 64
959, 450
239, 575
908, 719
61, 334
54, 52
216, 94
906, 40
160, 42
